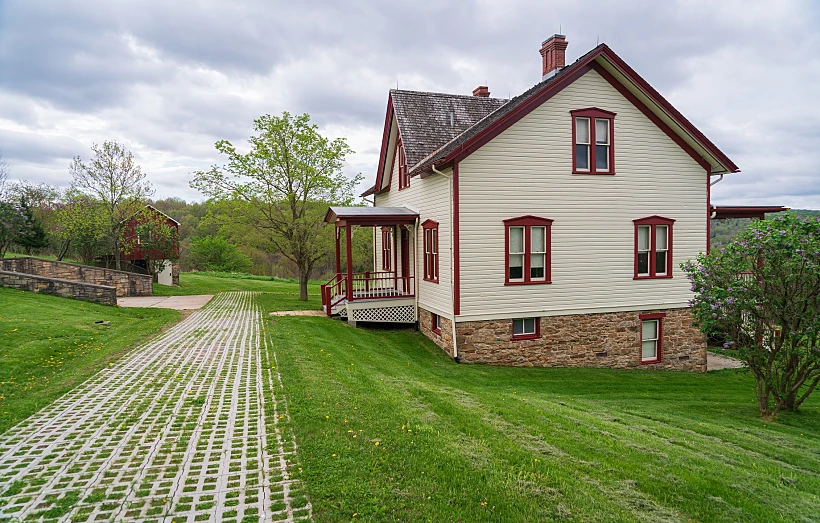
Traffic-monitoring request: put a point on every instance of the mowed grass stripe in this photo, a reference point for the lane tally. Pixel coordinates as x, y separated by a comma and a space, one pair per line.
504, 444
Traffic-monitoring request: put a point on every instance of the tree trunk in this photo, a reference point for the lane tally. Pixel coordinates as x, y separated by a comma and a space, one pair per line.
762, 397
303, 284
117, 257
63, 250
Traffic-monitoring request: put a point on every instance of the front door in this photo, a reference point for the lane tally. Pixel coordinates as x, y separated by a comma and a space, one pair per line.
405, 260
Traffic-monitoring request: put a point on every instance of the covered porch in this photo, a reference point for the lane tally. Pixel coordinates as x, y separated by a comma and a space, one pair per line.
386, 295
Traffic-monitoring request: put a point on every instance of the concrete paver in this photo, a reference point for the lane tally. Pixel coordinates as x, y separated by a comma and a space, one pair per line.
186, 428
718, 362
166, 302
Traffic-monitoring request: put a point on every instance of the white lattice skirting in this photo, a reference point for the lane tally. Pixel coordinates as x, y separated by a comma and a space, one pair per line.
396, 314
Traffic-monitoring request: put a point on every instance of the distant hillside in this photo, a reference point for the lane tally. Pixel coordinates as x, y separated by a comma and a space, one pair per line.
724, 231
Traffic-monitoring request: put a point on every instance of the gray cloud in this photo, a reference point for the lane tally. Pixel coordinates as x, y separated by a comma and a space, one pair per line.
170, 78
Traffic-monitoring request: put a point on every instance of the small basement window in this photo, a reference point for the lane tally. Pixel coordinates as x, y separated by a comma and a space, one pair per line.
436, 323
526, 329
651, 337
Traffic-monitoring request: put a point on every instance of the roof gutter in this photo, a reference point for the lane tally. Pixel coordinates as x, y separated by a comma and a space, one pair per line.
452, 264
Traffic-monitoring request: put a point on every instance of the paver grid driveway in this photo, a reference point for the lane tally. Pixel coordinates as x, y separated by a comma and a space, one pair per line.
178, 431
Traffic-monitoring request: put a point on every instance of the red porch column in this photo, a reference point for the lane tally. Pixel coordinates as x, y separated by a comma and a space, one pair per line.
349, 243
338, 253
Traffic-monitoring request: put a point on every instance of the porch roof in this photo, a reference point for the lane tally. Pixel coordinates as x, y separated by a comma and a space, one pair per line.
725, 212
342, 216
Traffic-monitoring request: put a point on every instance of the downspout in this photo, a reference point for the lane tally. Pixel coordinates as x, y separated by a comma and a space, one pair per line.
712, 212
452, 265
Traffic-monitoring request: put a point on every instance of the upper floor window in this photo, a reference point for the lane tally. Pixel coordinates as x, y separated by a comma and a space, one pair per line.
592, 139
387, 248
430, 229
653, 247
528, 246
404, 177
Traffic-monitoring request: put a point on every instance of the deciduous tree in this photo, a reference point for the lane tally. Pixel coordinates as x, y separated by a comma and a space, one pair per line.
216, 254
112, 178
286, 181
761, 293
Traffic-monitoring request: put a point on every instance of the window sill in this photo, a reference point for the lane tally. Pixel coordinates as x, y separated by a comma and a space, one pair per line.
665, 277
650, 362
523, 337
431, 281
436, 331
538, 282
610, 173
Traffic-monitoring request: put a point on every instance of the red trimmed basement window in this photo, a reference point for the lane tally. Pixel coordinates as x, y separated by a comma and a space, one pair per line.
653, 247
528, 250
651, 338
436, 323
430, 251
592, 139
526, 329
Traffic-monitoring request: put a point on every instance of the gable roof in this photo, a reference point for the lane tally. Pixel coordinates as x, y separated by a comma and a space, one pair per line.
425, 119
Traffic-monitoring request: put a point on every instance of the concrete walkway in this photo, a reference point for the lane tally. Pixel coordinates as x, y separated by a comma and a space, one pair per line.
186, 428
718, 362
180, 303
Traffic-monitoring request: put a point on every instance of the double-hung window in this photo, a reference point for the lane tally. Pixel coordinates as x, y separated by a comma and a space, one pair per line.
401, 157
526, 328
651, 337
653, 247
430, 229
592, 139
387, 248
528, 240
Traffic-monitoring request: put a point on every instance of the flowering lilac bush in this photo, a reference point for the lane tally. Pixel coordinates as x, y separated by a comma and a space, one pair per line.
761, 293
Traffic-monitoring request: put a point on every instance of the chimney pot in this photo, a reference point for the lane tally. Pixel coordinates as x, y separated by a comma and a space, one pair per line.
482, 90
553, 55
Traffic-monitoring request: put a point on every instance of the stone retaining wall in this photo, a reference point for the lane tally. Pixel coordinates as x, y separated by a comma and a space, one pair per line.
610, 340
57, 287
125, 283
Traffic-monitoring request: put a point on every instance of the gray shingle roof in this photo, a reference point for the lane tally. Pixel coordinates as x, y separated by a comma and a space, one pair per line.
424, 118
367, 212
480, 125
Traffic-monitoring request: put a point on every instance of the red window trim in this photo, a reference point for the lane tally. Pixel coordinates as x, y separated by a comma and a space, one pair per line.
401, 157
654, 316
654, 221
521, 337
592, 113
387, 248
527, 222
433, 327
431, 261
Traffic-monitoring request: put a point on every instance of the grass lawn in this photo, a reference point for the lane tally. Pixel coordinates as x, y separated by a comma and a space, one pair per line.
389, 428
50, 344
279, 294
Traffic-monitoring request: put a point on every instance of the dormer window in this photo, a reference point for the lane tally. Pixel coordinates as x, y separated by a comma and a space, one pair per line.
592, 138
404, 177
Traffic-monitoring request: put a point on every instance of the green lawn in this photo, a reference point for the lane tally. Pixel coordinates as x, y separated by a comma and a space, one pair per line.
49, 345
278, 294
389, 428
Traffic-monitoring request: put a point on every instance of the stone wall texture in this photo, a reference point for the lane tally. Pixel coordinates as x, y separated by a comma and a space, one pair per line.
125, 283
609, 340
57, 287
443, 340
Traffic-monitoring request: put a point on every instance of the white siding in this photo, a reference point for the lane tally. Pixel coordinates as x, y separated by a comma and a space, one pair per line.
527, 169
429, 197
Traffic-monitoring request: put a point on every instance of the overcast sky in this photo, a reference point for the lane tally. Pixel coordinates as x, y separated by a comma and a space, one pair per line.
169, 78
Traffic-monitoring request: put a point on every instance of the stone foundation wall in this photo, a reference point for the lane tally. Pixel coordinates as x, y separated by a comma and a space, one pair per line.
125, 283
57, 287
443, 340
610, 340
175, 274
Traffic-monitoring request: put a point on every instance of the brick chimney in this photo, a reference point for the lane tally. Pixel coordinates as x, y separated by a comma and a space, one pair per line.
482, 90
553, 55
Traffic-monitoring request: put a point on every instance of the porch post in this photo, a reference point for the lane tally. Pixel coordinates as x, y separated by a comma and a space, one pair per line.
338, 253
395, 257
349, 253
